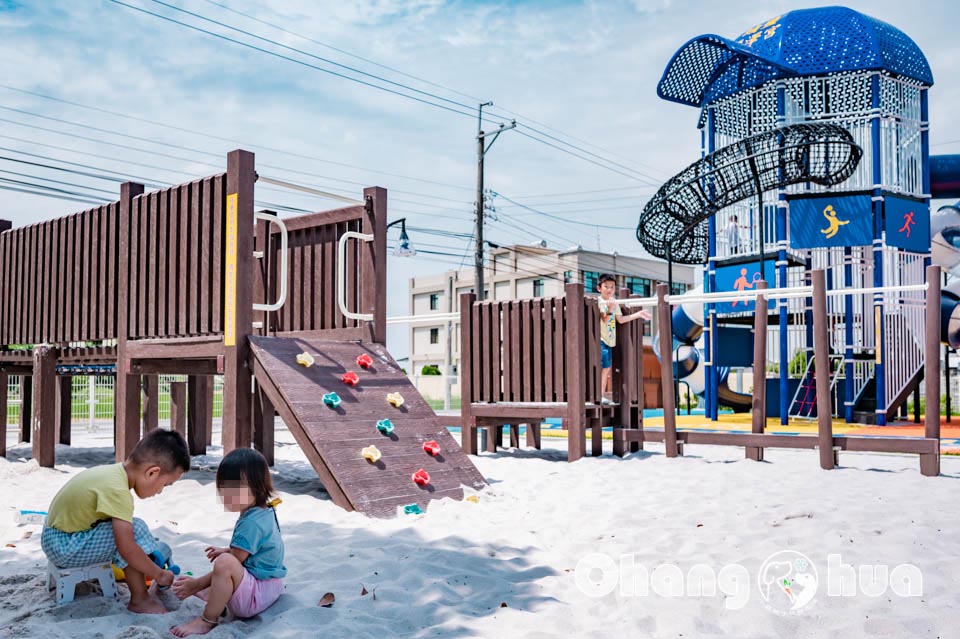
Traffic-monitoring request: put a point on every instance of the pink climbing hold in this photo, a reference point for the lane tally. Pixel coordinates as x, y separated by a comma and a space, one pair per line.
431, 448
421, 477
364, 361
350, 378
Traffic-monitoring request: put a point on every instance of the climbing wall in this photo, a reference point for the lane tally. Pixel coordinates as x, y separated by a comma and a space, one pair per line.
373, 454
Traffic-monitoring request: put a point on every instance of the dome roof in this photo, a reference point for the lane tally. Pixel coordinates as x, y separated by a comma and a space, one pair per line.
805, 42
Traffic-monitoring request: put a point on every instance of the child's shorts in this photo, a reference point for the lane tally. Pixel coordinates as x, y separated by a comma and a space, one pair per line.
78, 549
252, 596
606, 356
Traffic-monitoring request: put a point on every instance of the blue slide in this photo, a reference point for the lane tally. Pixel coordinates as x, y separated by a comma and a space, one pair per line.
945, 241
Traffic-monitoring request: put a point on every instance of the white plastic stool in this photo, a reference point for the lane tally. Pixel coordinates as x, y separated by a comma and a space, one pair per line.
65, 580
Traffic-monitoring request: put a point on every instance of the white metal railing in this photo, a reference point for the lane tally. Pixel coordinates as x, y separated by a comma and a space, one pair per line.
282, 275
342, 275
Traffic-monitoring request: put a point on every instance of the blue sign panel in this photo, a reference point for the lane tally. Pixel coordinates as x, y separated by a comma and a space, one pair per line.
907, 224
743, 277
831, 220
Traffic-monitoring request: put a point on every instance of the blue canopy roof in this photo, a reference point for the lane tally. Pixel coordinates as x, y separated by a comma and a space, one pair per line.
806, 42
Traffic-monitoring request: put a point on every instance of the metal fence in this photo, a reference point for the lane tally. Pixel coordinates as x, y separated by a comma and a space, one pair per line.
92, 400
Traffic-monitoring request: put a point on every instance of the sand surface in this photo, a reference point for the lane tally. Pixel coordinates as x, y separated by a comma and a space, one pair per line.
507, 566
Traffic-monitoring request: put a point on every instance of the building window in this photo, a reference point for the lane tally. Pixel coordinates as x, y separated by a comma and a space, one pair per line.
678, 289
590, 281
639, 286
538, 288
434, 301
567, 277
434, 335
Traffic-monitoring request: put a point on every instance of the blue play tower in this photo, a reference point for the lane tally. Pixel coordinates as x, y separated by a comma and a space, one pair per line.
826, 65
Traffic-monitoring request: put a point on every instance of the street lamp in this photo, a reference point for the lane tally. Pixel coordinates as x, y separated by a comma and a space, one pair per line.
403, 247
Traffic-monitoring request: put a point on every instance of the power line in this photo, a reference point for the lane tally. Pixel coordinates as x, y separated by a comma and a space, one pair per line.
562, 219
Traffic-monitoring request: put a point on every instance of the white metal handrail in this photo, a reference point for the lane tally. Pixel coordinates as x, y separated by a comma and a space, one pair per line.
423, 319
342, 277
282, 275
771, 293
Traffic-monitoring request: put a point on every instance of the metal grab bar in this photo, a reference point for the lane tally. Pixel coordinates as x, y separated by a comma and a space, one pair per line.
282, 276
342, 277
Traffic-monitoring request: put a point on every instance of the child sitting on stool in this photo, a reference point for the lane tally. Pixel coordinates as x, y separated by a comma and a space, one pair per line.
610, 316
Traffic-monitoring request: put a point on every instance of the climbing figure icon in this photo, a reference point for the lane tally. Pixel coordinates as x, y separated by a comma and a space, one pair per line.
742, 284
907, 221
834, 223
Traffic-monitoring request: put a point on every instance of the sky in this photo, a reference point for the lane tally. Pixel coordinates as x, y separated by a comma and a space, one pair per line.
582, 73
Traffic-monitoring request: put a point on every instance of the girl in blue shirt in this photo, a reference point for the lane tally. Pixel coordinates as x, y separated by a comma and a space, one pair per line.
247, 577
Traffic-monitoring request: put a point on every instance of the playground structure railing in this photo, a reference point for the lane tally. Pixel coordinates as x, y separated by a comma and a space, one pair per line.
523, 361
828, 444
167, 282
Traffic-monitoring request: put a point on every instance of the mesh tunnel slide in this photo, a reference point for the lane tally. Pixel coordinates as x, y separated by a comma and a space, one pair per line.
333, 438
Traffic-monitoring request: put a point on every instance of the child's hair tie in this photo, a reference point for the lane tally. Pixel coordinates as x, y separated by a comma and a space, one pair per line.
273, 503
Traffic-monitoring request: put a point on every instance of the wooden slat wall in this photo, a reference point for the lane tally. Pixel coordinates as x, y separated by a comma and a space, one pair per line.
58, 278
313, 272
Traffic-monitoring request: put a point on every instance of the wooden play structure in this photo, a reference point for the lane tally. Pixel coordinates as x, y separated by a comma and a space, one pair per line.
189, 280
524, 361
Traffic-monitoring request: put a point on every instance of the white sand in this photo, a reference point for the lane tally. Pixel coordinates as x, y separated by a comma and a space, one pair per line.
445, 574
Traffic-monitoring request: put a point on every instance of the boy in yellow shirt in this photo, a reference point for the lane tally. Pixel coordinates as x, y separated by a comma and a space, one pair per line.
610, 316
91, 518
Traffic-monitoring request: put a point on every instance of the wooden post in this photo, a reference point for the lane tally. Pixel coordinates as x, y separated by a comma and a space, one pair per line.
238, 302
264, 416
44, 418
576, 372
930, 462
759, 372
26, 407
468, 423
178, 407
126, 390
821, 360
64, 406
373, 262
199, 413
151, 402
665, 321
4, 381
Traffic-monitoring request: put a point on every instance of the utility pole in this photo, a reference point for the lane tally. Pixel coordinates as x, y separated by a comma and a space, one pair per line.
482, 149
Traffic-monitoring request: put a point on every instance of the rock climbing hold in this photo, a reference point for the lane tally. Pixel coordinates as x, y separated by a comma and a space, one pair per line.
385, 426
473, 499
372, 454
431, 447
305, 359
364, 361
332, 400
350, 378
412, 509
421, 477
395, 399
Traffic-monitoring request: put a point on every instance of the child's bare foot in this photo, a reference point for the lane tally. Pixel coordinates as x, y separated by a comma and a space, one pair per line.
150, 605
184, 587
196, 626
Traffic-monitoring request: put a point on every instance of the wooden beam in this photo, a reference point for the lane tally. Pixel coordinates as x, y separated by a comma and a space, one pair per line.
665, 321
468, 423
576, 371
199, 413
821, 359
264, 420
151, 402
238, 302
26, 407
759, 404
126, 390
930, 464
373, 262
178, 407
44, 418
4, 381
64, 406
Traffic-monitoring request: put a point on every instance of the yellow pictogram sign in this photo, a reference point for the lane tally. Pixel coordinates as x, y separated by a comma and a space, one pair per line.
833, 222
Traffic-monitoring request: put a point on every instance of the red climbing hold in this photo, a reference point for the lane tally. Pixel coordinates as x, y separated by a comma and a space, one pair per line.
350, 378
364, 361
421, 477
431, 447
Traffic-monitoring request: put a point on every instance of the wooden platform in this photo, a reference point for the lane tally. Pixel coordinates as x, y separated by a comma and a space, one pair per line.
333, 439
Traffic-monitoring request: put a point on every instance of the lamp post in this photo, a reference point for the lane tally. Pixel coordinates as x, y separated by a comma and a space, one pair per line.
403, 248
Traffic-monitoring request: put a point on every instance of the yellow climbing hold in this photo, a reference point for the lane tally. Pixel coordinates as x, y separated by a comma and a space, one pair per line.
473, 499
371, 454
395, 399
305, 359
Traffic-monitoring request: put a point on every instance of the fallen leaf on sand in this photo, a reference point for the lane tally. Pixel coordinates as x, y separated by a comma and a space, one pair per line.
363, 590
11, 545
327, 600
27, 534
503, 604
